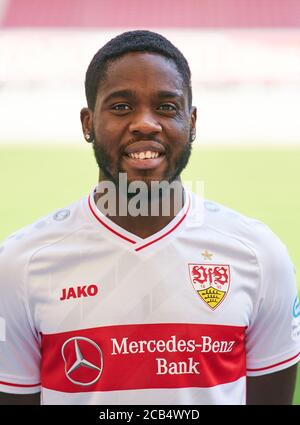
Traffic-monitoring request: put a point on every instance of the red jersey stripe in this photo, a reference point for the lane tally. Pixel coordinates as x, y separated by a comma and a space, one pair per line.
10, 384
274, 365
132, 241
169, 231
106, 225
143, 356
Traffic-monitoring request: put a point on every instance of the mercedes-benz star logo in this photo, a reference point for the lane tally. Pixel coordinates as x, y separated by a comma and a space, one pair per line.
91, 351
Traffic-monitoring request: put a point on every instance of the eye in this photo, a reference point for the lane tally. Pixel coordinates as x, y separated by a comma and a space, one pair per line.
121, 107
168, 107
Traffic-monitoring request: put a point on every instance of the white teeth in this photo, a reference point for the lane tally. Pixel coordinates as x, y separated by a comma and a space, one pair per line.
144, 155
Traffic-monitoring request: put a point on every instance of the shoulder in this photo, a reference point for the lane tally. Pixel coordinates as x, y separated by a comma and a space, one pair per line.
257, 236
19, 247
253, 231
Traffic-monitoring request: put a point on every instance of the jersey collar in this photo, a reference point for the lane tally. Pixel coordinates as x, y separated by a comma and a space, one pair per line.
132, 240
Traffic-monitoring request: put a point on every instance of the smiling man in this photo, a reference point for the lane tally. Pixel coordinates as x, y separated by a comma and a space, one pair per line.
126, 136
98, 306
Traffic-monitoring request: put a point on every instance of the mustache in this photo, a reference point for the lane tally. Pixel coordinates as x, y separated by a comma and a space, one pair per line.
143, 138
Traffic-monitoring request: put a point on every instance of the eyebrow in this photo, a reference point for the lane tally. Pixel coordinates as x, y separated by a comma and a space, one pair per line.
131, 94
120, 93
171, 94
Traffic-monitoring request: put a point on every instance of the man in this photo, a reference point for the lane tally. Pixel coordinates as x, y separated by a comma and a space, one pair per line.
103, 306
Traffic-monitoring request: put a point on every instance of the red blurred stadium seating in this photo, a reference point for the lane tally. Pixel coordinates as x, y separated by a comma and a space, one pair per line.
151, 13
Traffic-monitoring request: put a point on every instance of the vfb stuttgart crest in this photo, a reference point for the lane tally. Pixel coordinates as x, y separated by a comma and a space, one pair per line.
211, 282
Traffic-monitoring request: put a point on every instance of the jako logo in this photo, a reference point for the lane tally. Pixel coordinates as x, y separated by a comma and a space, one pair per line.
79, 291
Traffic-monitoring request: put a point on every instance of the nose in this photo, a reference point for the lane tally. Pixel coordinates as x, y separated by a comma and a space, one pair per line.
144, 123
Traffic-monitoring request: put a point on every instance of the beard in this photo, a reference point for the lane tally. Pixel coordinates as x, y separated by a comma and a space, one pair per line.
104, 163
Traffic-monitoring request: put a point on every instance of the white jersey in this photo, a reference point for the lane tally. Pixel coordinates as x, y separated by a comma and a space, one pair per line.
93, 314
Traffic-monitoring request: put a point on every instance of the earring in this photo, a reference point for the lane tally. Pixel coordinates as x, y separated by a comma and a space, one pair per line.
88, 137
193, 136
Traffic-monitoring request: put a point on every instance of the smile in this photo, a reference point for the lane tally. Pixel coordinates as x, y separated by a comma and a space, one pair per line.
144, 160
144, 155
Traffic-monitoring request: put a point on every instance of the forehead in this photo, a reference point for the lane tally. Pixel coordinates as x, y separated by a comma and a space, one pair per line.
141, 71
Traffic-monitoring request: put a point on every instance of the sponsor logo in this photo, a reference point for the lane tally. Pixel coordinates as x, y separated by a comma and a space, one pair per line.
177, 368
78, 292
211, 282
83, 360
204, 344
189, 366
296, 320
296, 308
141, 356
191, 347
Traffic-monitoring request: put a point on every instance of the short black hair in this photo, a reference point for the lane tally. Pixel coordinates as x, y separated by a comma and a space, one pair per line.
133, 41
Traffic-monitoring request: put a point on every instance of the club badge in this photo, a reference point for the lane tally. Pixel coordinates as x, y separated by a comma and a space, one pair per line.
211, 282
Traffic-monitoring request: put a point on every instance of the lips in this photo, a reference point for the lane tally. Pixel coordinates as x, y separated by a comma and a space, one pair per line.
144, 146
141, 162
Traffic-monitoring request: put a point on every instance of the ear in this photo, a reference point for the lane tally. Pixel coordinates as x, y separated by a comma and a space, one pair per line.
193, 121
86, 118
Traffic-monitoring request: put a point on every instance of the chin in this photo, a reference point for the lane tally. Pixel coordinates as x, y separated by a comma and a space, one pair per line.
146, 179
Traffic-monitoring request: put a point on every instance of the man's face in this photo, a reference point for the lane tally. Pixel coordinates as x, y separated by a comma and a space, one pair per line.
141, 122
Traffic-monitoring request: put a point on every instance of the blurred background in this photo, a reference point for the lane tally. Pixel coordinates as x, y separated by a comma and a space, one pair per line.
245, 62
244, 56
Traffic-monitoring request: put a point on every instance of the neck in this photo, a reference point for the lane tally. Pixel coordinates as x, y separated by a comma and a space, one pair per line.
141, 214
